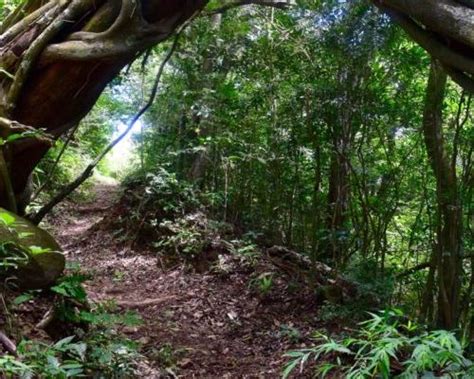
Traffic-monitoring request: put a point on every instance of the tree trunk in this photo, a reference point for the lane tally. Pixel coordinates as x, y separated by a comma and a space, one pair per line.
201, 159
338, 195
449, 228
60, 55
443, 28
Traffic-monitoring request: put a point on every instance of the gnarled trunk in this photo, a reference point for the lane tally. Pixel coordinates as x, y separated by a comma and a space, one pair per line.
60, 55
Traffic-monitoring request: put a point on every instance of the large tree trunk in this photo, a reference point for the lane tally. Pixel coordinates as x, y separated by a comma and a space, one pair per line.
449, 226
442, 27
62, 54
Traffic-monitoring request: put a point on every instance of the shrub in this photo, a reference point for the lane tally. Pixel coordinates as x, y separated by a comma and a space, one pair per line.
101, 355
94, 348
386, 346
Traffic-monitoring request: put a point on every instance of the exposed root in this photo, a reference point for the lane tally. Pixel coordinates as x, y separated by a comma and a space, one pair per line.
144, 303
7, 343
47, 319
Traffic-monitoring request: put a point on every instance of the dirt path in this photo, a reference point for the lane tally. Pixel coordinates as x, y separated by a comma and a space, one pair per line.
195, 325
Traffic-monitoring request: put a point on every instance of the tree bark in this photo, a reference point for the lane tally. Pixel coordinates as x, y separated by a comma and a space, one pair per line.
60, 55
339, 193
443, 28
449, 228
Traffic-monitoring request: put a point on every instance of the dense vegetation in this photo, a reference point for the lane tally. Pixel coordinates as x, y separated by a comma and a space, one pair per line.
321, 130
315, 141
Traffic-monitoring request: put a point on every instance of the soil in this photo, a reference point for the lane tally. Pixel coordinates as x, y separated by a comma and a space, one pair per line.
195, 325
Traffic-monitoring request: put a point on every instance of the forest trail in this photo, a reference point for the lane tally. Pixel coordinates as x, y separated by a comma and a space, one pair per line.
195, 325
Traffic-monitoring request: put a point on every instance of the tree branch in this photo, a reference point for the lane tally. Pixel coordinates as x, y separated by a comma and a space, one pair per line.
414, 269
9, 127
139, 34
71, 12
449, 18
67, 190
461, 79
55, 164
282, 4
10, 33
431, 44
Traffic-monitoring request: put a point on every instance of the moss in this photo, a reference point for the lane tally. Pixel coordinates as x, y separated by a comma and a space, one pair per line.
46, 262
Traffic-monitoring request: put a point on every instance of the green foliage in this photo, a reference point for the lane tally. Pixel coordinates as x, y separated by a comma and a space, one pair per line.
92, 136
6, 7
247, 251
165, 192
12, 254
71, 287
263, 283
184, 237
386, 346
71, 292
304, 127
7, 219
290, 333
165, 356
371, 281
104, 316
101, 355
112, 356
167, 214
95, 350
158, 196
18, 136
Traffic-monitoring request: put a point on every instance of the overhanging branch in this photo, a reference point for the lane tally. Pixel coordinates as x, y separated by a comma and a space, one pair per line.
68, 13
459, 66
264, 3
67, 190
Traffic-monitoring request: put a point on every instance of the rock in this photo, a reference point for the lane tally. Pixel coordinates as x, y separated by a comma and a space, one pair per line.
42, 271
24, 233
45, 260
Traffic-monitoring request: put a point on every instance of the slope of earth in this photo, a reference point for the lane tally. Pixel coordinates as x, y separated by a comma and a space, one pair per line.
195, 325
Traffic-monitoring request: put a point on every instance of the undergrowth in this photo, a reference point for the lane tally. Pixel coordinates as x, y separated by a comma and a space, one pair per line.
167, 215
94, 348
385, 346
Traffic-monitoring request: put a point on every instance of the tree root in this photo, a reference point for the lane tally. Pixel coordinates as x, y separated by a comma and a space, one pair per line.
7, 343
144, 303
47, 319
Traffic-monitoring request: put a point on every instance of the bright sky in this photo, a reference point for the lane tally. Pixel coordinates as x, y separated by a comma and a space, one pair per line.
122, 154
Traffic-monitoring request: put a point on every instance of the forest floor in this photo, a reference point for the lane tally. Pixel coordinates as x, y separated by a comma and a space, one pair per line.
195, 325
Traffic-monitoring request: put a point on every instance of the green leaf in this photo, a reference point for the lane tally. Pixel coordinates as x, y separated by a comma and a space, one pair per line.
23, 298
325, 369
23, 235
289, 368
7, 218
65, 341
14, 137
35, 250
